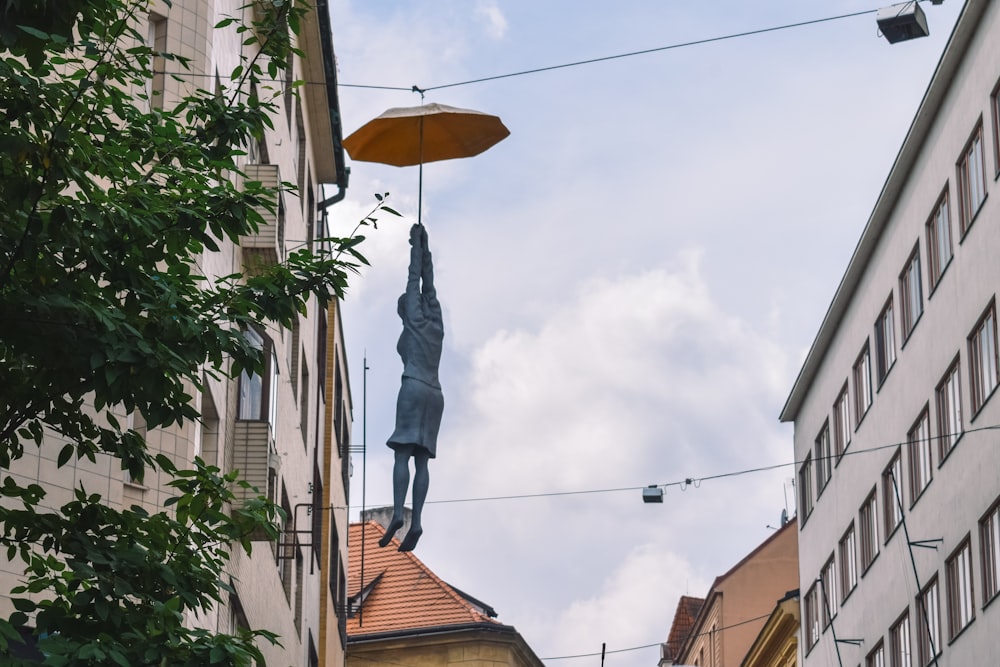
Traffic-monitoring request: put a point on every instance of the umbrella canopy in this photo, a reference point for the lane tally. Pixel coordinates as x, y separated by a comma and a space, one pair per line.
414, 135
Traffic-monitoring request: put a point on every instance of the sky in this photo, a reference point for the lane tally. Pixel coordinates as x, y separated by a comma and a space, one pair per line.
630, 282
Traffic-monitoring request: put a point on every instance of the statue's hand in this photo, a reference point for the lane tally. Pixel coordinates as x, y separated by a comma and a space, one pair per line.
417, 235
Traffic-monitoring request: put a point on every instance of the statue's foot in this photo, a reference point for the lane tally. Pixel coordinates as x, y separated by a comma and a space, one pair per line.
390, 532
412, 536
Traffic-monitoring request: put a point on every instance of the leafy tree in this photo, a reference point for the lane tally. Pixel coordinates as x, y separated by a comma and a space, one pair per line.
106, 204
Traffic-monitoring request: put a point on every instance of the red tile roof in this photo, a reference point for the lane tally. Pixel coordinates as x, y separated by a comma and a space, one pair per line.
403, 594
687, 611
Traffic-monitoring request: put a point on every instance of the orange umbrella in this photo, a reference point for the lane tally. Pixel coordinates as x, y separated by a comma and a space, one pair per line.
407, 136
414, 135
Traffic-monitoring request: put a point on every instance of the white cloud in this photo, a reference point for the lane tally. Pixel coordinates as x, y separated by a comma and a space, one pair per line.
630, 605
636, 379
492, 17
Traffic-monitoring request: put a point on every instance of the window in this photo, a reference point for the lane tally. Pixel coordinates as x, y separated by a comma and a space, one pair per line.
989, 543
304, 404
918, 442
971, 172
828, 583
995, 113
847, 553
983, 358
929, 623
862, 384
292, 353
824, 463
868, 525
949, 405
811, 615
841, 423
284, 548
939, 239
334, 561
256, 396
805, 488
876, 658
911, 296
961, 606
892, 494
899, 642
158, 43
885, 342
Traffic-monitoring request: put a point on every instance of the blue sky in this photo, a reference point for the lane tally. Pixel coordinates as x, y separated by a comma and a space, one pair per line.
630, 281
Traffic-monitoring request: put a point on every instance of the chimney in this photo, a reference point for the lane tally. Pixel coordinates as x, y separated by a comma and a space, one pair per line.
383, 516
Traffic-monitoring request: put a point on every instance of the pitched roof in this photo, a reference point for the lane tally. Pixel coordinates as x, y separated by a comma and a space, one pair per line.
400, 592
687, 611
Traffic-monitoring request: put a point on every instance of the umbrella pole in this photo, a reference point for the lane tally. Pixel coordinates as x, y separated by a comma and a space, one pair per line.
420, 177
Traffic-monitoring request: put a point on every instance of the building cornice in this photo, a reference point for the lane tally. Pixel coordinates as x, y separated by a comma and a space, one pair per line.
927, 113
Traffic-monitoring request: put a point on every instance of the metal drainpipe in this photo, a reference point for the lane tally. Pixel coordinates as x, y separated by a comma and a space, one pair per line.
333, 102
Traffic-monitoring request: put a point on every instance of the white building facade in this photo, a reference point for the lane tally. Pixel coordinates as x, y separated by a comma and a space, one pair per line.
895, 412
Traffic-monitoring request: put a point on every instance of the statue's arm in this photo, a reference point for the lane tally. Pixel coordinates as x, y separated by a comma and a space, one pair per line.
412, 300
427, 279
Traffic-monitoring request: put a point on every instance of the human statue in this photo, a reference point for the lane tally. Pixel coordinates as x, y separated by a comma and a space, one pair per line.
420, 402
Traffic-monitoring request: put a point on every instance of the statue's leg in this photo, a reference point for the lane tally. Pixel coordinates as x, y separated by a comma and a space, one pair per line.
400, 482
421, 482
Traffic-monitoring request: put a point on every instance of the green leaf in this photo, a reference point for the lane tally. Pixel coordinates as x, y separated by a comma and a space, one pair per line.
64, 455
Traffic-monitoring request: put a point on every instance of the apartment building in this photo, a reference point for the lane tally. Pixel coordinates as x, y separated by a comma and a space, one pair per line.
287, 430
894, 409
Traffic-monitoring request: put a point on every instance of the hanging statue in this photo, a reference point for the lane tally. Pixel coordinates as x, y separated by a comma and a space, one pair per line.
420, 402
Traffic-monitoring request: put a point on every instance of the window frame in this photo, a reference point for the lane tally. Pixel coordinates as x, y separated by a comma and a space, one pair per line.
972, 153
885, 342
847, 550
929, 643
901, 655
989, 552
828, 587
876, 657
961, 589
949, 408
868, 523
267, 400
937, 264
981, 384
841, 431
806, 498
995, 119
824, 460
861, 373
917, 444
811, 618
910, 309
891, 520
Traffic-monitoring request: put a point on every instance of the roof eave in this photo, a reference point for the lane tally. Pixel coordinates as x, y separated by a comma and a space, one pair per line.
320, 97
951, 58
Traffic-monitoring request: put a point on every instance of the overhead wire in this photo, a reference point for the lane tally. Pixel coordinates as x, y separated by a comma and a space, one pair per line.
683, 484
644, 646
576, 63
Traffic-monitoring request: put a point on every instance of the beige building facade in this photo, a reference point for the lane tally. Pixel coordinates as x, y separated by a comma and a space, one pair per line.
288, 431
733, 613
895, 408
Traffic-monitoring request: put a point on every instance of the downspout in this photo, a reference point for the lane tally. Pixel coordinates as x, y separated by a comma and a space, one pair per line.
333, 103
